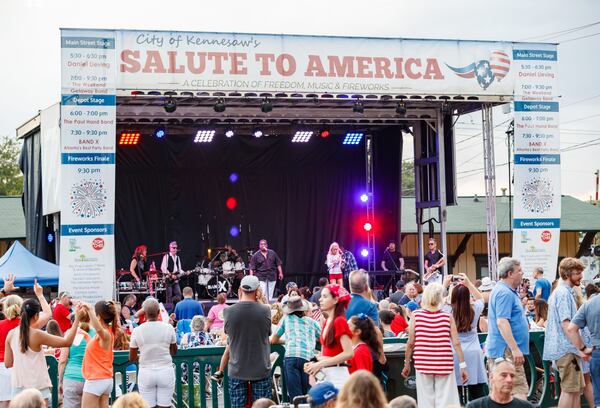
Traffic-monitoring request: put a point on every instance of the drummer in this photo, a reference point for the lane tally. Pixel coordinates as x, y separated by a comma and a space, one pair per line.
138, 266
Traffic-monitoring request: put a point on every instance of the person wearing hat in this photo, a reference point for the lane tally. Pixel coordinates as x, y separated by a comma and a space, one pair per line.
62, 311
323, 395
289, 287
248, 325
301, 335
486, 288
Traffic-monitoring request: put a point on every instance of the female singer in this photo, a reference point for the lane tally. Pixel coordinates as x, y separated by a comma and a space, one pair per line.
334, 264
138, 262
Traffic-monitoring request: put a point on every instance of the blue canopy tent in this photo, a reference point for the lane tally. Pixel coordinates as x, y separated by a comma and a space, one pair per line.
27, 267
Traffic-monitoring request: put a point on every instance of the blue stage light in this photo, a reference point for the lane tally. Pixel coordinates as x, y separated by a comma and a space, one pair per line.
234, 231
233, 177
353, 138
160, 132
50, 237
364, 252
364, 198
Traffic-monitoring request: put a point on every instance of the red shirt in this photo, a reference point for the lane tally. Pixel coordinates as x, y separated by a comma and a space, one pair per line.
6, 326
340, 325
362, 360
398, 325
61, 315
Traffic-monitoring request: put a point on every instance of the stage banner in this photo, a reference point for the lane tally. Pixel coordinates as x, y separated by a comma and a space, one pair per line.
87, 188
229, 62
537, 182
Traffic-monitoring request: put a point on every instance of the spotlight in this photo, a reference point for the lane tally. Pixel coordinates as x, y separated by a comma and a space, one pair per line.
129, 138
358, 107
229, 133
233, 177
170, 105
368, 226
231, 203
401, 109
353, 138
204, 136
364, 252
325, 133
266, 106
219, 106
234, 231
160, 132
302, 136
364, 198
50, 237
258, 133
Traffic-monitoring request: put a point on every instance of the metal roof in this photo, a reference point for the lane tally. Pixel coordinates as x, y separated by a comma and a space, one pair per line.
12, 218
469, 215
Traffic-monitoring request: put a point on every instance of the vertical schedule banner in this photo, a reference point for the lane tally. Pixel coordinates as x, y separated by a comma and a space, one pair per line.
88, 126
537, 203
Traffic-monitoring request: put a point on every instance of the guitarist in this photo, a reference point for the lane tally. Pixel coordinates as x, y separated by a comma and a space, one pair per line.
171, 269
434, 261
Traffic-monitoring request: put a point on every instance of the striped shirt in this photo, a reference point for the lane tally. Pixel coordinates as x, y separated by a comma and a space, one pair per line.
301, 336
433, 349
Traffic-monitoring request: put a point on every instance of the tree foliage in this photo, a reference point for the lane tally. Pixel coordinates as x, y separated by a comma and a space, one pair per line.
408, 179
11, 179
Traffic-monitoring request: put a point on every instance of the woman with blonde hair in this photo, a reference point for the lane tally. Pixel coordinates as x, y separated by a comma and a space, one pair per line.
334, 262
362, 390
431, 335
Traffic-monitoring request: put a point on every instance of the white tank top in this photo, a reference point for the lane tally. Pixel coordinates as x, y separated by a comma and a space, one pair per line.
29, 368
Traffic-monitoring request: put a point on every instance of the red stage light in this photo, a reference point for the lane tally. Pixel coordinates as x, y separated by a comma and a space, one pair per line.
129, 138
325, 133
231, 203
368, 226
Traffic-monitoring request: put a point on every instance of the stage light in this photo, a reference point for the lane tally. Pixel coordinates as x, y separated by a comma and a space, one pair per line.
353, 138
234, 231
204, 136
266, 106
401, 109
302, 136
231, 203
364, 252
233, 177
358, 107
229, 133
368, 226
325, 133
160, 132
258, 133
129, 138
219, 106
170, 105
364, 198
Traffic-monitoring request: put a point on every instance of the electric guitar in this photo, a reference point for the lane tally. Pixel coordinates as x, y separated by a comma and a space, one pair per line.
172, 278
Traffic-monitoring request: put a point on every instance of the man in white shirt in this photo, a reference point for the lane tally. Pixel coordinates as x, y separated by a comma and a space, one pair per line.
153, 343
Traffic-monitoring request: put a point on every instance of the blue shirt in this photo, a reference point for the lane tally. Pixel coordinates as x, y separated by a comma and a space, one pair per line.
187, 309
505, 304
359, 304
561, 307
545, 285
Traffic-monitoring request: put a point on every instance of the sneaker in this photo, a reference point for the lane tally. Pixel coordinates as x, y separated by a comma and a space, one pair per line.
217, 376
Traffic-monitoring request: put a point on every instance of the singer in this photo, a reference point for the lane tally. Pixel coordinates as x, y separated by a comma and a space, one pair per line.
138, 266
265, 263
335, 263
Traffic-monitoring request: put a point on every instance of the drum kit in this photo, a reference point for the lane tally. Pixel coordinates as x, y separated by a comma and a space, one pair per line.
221, 274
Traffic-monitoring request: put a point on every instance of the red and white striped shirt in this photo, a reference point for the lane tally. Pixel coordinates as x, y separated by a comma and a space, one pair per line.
433, 348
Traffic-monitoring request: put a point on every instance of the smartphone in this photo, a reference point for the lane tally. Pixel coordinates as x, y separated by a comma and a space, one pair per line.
320, 376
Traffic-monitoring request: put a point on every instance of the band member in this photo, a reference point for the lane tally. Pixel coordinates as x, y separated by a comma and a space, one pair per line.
138, 265
171, 269
434, 261
334, 263
266, 264
392, 260
348, 262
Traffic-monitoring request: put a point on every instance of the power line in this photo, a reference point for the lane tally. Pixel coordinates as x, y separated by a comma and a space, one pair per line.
580, 38
562, 32
582, 100
584, 118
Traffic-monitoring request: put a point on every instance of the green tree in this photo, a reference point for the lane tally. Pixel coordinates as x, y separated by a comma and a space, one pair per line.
11, 179
408, 179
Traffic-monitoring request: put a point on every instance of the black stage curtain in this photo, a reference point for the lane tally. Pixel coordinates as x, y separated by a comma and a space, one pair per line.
300, 197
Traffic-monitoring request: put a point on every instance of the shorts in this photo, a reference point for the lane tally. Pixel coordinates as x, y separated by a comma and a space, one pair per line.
98, 387
72, 393
5, 383
520, 385
46, 392
571, 375
335, 276
156, 385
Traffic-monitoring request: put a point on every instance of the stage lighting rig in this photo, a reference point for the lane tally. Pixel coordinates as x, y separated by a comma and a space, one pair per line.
401, 109
258, 133
358, 107
229, 133
302, 136
353, 138
219, 106
160, 132
266, 106
170, 105
204, 136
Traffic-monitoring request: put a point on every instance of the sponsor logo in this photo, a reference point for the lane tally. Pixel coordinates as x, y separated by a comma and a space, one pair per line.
98, 244
546, 236
73, 245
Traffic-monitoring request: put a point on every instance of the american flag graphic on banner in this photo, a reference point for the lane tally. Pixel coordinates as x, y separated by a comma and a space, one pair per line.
485, 71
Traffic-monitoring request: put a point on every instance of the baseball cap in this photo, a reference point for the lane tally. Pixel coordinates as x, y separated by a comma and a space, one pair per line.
321, 393
249, 283
412, 305
400, 284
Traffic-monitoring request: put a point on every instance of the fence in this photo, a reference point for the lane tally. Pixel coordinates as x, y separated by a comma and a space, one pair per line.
192, 388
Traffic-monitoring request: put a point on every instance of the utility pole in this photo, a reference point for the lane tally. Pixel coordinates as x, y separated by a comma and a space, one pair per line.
597, 173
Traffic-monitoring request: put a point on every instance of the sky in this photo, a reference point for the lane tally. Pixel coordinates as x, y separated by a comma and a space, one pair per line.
30, 40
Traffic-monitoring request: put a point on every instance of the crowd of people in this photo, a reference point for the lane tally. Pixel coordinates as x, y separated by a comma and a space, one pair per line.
333, 338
